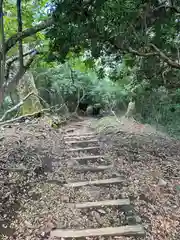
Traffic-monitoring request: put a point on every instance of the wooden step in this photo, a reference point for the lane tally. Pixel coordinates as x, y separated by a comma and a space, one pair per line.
95, 182
81, 135
128, 231
82, 149
15, 169
90, 157
85, 159
70, 130
106, 203
84, 169
92, 169
82, 141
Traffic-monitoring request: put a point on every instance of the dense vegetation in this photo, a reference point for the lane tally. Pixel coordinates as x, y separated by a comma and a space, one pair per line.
92, 51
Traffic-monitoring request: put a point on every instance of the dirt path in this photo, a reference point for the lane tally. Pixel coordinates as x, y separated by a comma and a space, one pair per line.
94, 177
98, 185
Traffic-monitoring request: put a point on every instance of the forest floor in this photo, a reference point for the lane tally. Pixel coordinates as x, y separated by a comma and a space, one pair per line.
35, 162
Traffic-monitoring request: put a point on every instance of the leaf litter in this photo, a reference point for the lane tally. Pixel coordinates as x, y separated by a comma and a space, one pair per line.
31, 206
151, 162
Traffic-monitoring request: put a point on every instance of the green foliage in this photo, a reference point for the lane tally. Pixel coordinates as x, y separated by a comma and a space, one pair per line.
100, 44
74, 85
111, 26
31, 14
158, 107
116, 28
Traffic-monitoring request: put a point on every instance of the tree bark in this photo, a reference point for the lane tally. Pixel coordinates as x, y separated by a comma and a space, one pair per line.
130, 110
25, 86
19, 19
2, 45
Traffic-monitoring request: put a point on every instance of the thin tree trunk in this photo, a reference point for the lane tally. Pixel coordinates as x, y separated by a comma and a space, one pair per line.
2, 46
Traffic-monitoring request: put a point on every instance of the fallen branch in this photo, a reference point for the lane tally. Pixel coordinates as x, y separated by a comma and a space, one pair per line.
26, 116
20, 118
117, 119
16, 106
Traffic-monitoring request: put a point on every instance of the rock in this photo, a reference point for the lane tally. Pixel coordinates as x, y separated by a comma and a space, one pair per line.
89, 111
101, 211
129, 214
97, 217
162, 183
130, 110
65, 199
138, 219
131, 220
28, 224
27, 121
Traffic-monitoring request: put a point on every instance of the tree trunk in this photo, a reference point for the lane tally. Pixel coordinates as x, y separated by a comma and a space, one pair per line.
25, 86
130, 110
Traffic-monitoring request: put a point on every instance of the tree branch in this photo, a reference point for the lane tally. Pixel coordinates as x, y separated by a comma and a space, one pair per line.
118, 43
9, 85
10, 61
157, 52
173, 8
165, 58
141, 54
26, 33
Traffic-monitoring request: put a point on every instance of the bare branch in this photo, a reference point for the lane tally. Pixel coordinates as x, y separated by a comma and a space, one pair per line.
141, 54
157, 52
16, 106
178, 55
173, 8
80, 99
118, 43
71, 72
10, 61
28, 115
165, 58
167, 69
